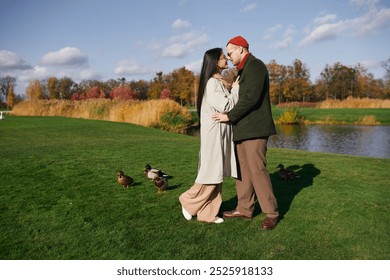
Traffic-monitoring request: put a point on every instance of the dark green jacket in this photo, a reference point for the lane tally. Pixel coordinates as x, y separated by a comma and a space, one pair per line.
252, 117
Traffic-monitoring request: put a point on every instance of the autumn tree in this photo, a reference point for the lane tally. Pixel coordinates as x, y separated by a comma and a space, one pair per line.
370, 87
123, 92
5, 83
52, 88
325, 80
320, 90
65, 88
165, 94
11, 96
182, 85
34, 90
110, 84
95, 92
141, 88
386, 86
277, 75
84, 85
297, 85
340, 81
386, 65
156, 86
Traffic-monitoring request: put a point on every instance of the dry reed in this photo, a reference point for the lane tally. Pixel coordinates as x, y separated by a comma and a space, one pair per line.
297, 105
351, 102
145, 113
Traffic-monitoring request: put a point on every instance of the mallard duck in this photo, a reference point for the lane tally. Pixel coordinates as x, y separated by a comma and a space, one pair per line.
161, 182
152, 173
124, 180
286, 174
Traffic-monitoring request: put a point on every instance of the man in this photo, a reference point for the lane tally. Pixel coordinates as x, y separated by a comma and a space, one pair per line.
252, 126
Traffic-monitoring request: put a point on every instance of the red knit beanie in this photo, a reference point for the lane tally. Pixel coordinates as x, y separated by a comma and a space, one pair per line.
239, 41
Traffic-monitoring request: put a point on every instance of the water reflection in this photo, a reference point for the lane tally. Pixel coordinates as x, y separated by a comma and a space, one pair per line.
371, 141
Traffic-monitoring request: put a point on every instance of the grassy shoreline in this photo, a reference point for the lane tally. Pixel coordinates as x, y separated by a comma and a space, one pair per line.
59, 199
333, 116
355, 116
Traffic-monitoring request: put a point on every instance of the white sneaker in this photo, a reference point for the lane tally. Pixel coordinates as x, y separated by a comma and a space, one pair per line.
218, 221
186, 215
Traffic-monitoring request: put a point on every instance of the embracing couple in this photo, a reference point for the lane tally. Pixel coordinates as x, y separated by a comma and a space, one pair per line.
235, 122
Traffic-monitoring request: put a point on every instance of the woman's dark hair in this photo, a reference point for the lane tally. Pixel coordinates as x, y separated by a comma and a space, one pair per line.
209, 68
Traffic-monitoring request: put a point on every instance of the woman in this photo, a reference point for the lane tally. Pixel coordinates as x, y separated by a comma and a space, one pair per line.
216, 158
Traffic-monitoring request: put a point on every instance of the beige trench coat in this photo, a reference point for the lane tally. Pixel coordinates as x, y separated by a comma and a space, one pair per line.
216, 157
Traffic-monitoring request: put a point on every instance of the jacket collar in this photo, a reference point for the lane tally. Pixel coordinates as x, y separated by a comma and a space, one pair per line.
240, 66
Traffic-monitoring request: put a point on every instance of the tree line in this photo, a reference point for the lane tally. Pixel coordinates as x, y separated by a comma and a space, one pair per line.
289, 83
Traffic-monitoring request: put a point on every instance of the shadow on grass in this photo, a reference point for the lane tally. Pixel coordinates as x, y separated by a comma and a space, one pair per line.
173, 187
285, 191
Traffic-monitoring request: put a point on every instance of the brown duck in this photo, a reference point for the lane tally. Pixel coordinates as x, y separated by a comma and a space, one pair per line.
286, 174
124, 180
161, 182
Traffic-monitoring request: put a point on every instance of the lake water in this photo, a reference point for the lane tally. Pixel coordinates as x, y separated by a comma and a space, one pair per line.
371, 141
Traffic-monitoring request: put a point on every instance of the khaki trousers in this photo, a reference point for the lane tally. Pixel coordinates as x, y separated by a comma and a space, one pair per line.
254, 179
202, 201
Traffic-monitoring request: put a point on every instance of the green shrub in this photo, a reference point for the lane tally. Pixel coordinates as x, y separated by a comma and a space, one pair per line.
174, 121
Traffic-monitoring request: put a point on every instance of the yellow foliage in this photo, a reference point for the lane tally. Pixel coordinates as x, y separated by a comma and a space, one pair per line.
34, 90
290, 116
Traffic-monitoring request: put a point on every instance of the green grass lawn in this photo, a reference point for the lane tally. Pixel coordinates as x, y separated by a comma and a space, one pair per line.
59, 199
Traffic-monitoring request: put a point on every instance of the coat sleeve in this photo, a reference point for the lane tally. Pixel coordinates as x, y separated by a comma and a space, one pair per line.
219, 97
250, 93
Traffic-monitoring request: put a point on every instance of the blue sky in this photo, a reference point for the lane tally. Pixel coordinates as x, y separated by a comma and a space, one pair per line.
110, 39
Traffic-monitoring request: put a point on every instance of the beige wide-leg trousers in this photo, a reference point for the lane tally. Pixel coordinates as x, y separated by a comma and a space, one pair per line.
202, 201
254, 179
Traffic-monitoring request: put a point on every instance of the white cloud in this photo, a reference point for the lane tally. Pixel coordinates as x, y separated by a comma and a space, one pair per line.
272, 30
184, 44
12, 61
194, 66
371, 64
65, 56
175, 50
326, 28
89, 74
325, 19
127, 68
180, 24
249, 7
287, 39
324, 32
36, 73
374, 20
